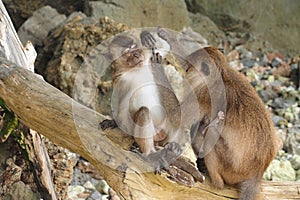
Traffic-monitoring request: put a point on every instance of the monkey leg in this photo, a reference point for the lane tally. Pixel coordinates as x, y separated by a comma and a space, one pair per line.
213, 167
144, 130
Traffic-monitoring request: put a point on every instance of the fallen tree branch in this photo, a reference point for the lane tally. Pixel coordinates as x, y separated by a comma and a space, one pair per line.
44, 108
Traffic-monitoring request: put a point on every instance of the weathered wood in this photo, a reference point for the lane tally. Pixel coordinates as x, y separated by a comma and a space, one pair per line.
50, 112
12, 49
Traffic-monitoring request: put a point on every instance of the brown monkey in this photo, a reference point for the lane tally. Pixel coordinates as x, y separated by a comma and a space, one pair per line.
143, 102
242, 146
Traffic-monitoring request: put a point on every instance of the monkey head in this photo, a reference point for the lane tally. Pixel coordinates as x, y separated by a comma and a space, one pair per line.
205, 68
126, 54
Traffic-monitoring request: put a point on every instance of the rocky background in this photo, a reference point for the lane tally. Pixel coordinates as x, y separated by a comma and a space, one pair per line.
260, 39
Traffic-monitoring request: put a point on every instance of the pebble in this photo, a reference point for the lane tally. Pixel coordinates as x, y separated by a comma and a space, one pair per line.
280, 171
102, 187
233, 56
248, 63
75, 190
95, 195
276, 62
88, 185
295, 161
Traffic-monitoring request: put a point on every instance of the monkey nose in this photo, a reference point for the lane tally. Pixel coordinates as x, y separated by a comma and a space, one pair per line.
137, 53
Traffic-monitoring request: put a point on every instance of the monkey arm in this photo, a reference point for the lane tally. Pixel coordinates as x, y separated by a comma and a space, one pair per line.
206, 133
176, 48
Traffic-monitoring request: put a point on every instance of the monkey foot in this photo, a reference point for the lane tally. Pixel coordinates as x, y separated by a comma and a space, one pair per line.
187, 166
107, 123
164, 157
181, 177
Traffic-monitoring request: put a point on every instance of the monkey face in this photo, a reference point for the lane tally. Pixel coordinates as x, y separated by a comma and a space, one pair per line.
126, 54
132, 57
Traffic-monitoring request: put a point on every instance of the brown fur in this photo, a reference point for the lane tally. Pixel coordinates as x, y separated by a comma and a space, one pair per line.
247, 142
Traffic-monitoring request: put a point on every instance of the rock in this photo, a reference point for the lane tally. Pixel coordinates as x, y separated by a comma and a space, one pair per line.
88, 185
207, 28
267, 94
11, 175
102, 187
280, 171
281, 30
282, 70
4, 154
278, 120
21, 191
63, 162
276, 62
78, 68
261, 58
250, 73
95, 195
170, 14
283, 103
295, 161
191, 40
37, 27
237, 65
79, 178
74, 191
248, 63
292, 143
234, 40
244, 53
233, 56
298, 175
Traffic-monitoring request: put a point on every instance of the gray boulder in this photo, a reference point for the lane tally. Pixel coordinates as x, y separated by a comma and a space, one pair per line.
276, 21
37, 27
143, 13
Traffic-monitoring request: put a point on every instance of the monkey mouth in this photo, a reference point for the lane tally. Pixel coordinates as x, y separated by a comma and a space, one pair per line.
139, 62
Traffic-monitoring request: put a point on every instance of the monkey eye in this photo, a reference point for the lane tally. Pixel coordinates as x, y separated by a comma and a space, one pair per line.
126, 50
133, 46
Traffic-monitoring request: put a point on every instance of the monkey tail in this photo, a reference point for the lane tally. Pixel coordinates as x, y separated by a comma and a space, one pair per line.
249, 189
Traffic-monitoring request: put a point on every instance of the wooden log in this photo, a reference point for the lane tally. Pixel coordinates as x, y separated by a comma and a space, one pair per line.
51, 112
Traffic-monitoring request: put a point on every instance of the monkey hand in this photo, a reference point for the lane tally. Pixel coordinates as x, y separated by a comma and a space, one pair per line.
165, 34
107, 123
147, 39
156, 58
164, 157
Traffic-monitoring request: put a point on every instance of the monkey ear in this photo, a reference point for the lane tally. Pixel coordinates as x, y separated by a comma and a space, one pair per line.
205, 68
